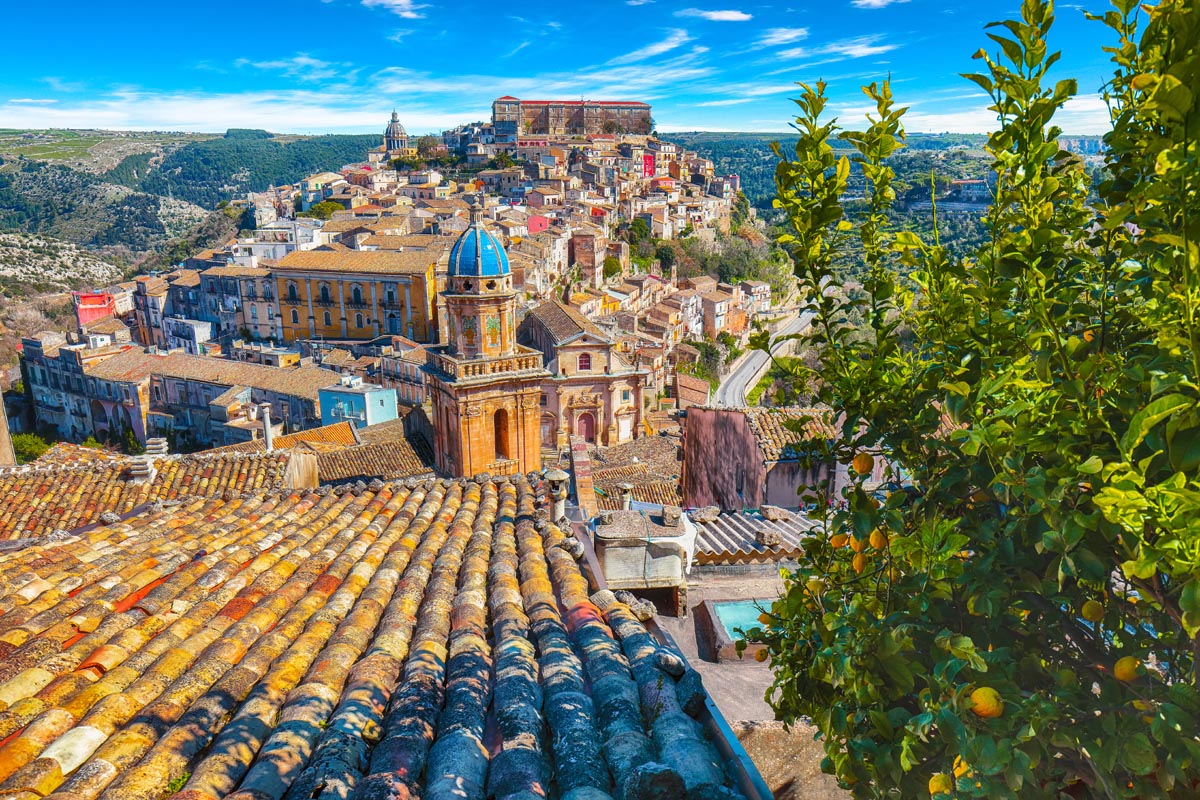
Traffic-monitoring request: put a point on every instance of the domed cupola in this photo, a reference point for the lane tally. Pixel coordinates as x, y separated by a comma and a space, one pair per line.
478, 263
394, 136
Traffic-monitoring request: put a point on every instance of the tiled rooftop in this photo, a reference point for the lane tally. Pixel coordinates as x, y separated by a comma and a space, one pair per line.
379, 262
775, 440
65, 454
136, 365
339, 433
732, 539
564, 322
389, 460
35, 501
429, 639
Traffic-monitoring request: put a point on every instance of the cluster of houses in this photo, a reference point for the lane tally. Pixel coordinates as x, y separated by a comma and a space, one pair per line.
284, 315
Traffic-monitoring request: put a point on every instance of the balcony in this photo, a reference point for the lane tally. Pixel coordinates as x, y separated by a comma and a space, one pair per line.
504, 466
324, 302
482, 368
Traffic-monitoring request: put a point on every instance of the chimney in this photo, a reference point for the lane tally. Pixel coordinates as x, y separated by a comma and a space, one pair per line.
625, 493
558, 480
268, 434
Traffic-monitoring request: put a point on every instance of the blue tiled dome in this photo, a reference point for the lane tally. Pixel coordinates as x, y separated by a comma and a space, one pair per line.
478, 254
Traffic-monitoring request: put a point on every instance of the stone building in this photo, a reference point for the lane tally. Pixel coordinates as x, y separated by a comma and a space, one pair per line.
484, 387
513, 117
591, 392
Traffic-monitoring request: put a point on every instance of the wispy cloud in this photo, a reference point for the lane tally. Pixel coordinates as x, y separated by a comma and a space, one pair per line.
715, 16
637, 2
676, 38
301, 66
32, 101
858, 47
516, 49
733, 101
59, 85
403, 8
874, 3
398, 35
778, 36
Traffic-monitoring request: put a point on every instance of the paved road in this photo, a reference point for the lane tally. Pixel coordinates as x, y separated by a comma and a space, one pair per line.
732, 391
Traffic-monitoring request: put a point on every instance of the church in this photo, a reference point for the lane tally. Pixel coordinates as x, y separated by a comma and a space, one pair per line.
396, 143
485, 389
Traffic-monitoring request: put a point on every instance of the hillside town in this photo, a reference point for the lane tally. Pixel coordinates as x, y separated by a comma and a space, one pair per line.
302, 309
384, 328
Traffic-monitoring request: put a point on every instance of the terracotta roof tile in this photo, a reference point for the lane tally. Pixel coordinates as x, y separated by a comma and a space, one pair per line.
421, 639
36, 500
378, 262
387, 460
564, 322
340, 434
775, 440
135, 365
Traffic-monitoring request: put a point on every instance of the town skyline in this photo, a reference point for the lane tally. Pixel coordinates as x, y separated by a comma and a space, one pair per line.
724, 67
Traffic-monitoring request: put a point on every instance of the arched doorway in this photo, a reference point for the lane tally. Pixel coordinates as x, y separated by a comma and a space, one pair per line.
549, 430
585, 426
500, 434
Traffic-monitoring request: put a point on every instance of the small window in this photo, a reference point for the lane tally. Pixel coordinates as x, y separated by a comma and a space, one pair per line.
585, 362
542, 400
358, 320
295, 317
625, 395
328, 319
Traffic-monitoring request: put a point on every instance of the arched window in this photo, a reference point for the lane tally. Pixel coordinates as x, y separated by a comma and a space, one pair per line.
500, 434
325, 295
357, 293
358, 320
328, 319
293, 295
295, 317
585, 362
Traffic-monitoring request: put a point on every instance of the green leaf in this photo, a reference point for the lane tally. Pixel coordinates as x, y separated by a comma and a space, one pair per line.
1148, 417
1137, 754
1091, 466
1189, 603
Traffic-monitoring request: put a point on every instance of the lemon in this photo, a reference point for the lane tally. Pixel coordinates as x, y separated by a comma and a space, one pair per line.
961, 767
986, 702
940, 784
1093, 611
857, 544
863, 463
1126, 669
765, 619
879, 539
761, 655
838, 540
859, 563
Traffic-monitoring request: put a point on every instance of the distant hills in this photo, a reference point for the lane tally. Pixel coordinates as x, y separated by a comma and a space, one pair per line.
128, 196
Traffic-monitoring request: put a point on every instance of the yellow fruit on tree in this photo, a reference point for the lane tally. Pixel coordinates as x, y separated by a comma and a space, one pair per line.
765, 619
838, 540
1126, 669
859, 563
940, 784
961, 767
761, 655
879, 539
1093, 611
986, 702
815, 586
857, 544
1141, 705
863, 463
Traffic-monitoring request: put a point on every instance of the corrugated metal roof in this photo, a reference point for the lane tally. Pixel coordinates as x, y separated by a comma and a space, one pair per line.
730, 539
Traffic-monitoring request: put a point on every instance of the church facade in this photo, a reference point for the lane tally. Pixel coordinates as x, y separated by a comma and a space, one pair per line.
485, 388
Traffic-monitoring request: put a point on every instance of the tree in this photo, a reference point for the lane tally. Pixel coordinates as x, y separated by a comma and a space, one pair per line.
1023, 621
639, 230
427, 146
612, 266
323, 210
28, 447
666, 256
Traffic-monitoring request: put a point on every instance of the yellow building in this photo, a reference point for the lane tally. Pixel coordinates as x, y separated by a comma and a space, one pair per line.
352, 294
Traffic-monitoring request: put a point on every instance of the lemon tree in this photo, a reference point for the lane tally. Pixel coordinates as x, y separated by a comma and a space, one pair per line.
1025, 622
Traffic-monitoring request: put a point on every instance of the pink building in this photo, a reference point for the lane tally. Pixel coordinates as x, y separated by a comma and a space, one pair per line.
91, 306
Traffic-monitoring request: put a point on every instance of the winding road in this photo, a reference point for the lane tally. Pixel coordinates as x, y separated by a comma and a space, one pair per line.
732, 391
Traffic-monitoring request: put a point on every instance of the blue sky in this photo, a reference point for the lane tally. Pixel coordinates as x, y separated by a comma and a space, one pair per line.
309, 66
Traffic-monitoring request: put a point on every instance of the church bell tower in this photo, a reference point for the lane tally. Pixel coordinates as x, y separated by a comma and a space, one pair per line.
486, 389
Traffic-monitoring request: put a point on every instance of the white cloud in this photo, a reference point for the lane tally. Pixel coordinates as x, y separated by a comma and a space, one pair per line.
676, 38
637, 2
31, 101
301, 66
516, 49
874, 3
715, 16
778, 36
403, 8
733, 101
858, 47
